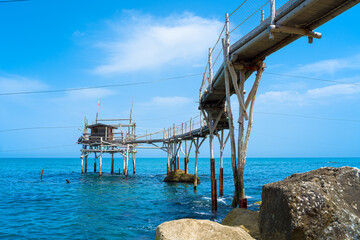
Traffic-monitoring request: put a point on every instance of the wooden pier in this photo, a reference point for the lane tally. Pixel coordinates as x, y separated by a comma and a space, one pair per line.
284, 25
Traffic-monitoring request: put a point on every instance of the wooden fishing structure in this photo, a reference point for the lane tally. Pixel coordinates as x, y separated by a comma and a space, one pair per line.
100, 138
246, 56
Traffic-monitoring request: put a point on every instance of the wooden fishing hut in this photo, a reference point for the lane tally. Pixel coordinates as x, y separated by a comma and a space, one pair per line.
111, 138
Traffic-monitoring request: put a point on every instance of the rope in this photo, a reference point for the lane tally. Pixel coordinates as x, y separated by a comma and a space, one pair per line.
237, 8
217, 57
249, 16
218, 38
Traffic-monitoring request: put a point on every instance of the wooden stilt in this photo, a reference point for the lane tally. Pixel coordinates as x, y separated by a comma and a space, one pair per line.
134, 163
82, 164
168, 159
124, 165
178, 162
127, 161
171, 164
167, 168
95, 163
213, 185
86, 156
112, 163
221, 187
185, 165
100, 162
42, 172
225, 43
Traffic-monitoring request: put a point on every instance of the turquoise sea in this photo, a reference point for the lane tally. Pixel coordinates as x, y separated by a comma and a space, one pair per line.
113, 207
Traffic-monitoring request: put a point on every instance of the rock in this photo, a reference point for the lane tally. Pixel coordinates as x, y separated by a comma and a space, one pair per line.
185, 229
320, 204
180, 176
244, 218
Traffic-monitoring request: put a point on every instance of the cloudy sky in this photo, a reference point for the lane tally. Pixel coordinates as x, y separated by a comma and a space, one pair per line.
50, 45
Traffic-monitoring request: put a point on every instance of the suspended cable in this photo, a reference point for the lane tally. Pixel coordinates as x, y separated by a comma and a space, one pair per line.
8, 1
39, 148
102, 86
311, 78
310, 117
249, 17
35, 128
238, 8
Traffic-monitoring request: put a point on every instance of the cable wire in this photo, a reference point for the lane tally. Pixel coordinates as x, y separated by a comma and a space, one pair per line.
310, 117
9, 1
310, 78
237, 8
249, 16
102, 86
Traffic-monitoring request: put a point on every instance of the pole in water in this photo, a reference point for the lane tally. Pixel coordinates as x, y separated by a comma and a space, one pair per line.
221, 187
213, 185
112, 163
243, 203
86, 163
167, 168
42, 172
67, 181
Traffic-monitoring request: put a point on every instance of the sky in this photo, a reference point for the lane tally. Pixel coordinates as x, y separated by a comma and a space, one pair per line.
49, 45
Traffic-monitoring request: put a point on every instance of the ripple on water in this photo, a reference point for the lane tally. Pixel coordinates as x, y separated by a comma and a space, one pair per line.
115, 207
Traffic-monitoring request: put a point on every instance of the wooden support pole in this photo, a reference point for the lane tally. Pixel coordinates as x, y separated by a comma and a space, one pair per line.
213, 186
95, 162
196, 159
134, 162
178, 162
82, 164
221, 176
112, 163
124, 163
236, 199
42, 172
186, 165
86, 156
127, 161
100, 162
221, 186
168, 160
171, 164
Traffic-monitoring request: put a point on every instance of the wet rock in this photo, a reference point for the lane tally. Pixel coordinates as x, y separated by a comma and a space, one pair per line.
320, 204
180, 176
244, 218
186, 229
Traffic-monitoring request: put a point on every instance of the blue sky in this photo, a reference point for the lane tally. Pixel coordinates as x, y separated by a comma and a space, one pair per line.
48, 45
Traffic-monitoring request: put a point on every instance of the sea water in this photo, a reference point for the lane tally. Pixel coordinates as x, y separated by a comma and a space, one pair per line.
115, 207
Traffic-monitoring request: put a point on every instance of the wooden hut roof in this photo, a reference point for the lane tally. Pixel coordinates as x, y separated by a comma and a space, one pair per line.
101, 125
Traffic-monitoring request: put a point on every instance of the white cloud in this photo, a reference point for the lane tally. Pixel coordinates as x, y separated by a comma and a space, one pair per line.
330, 66
16, 83
147, 42
309, 96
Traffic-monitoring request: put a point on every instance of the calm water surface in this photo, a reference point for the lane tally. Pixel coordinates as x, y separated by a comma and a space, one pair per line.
113, 207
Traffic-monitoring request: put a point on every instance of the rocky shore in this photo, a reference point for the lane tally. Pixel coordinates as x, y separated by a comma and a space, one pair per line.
180, 176
320, 204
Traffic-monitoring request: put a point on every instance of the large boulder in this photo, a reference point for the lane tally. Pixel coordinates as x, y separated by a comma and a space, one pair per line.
186, 229
180, 176
244, 218
320, 204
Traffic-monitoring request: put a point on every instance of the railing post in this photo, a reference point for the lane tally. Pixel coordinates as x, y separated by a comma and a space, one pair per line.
272, 17
227, 34
210, 68
262, 16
